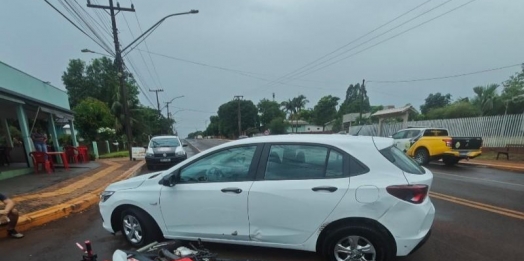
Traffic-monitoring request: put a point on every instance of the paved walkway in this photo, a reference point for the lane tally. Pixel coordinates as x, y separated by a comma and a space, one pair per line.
43, 197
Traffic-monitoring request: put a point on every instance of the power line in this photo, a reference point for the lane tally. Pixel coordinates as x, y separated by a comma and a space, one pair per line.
186, 109
142, 56
139, 79
387, 39
82, 18
77, 27
147, 47
446, 77
351, 42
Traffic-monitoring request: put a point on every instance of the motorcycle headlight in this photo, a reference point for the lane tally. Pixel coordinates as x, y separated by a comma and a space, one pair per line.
105, 195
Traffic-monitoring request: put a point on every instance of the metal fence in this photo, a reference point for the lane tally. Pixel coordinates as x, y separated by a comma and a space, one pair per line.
496, 131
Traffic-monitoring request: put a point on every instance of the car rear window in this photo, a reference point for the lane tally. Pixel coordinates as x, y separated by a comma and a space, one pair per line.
164, 142
401, 160
435, 132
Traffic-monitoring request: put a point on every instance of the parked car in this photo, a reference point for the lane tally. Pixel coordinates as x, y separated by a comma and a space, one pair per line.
347, 198
427, 144
165, 151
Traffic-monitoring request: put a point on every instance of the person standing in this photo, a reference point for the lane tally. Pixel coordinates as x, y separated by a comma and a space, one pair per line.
9, 215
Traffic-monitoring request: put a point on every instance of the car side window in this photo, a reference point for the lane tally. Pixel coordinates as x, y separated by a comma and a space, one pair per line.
228, 165
296, 162
335, 165
399, 135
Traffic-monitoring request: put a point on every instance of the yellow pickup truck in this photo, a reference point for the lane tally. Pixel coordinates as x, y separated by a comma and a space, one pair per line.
432, 144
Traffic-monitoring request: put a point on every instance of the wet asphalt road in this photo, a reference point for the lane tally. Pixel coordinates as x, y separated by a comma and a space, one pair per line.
479, 217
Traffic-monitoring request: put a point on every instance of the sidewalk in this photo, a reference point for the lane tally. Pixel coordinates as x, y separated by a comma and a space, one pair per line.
42, 198
503, 164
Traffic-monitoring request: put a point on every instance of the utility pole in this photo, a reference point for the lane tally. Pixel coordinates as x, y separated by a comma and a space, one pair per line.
157, 102
167, 107
120, 66
238, 98
361, 100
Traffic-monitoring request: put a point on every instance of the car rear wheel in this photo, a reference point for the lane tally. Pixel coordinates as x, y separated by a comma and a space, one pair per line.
360, 243
138, 228
422, 156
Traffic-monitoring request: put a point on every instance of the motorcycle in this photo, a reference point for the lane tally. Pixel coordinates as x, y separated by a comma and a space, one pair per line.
157, 251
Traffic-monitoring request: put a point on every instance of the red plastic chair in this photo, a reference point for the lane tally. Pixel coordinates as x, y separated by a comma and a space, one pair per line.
83, 154
71, 154
39, 159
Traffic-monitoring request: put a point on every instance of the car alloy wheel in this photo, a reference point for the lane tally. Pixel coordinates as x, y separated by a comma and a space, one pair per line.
132, 229
354, 248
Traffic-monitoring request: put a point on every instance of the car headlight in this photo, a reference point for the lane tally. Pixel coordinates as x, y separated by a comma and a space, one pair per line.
105, 195
181, 153
149, 154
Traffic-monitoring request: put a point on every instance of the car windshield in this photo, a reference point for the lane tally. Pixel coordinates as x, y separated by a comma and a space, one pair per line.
401, 160
164, 142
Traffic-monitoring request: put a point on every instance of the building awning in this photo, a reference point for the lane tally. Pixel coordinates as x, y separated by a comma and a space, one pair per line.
58, 114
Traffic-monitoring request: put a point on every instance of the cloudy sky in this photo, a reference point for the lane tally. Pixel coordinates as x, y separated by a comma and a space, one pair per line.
258, 47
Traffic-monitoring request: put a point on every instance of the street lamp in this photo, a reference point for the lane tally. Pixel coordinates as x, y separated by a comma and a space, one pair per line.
120, 67
155, 26
89, 51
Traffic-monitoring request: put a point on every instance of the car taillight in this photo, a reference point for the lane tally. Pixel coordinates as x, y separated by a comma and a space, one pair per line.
411, 193
448, 142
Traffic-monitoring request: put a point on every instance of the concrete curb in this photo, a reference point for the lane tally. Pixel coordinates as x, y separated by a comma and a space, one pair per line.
40, 217
494, 166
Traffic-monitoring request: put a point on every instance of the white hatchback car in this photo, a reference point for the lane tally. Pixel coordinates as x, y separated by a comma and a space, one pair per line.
348, 198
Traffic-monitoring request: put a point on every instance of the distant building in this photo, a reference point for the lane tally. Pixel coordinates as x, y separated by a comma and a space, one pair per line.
302, 126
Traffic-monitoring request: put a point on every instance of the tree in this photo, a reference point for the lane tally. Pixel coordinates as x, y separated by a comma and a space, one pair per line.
325, 110
146, 122
354, 97
305, 115
228, 115
434, 101
278, 126
514, 87
213, 129
90, 115
459, 109
298, 103
98, 80
289, 108
485, 98
269, 110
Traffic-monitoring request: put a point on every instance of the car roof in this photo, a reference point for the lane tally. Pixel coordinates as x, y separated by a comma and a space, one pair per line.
165, 136
328, 139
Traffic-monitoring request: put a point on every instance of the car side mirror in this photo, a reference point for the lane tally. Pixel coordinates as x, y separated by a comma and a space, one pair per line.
169, 180
184, 145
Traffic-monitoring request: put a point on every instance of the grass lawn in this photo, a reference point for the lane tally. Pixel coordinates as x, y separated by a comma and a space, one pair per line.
492, 155
118, 154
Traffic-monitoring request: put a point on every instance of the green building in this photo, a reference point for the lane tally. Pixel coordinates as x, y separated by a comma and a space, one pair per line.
26, 102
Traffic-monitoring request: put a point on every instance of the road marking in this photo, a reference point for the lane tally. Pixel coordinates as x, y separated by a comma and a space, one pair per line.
462, 178
478, 205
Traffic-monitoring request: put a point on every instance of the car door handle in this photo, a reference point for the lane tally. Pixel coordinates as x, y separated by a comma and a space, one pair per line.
330, 189
234, 190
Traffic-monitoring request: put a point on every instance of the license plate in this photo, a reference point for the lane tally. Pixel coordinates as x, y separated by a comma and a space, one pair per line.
464, 154
165, 160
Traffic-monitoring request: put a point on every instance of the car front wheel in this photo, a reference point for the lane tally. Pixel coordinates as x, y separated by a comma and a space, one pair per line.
138, 228
422, 156
360, 243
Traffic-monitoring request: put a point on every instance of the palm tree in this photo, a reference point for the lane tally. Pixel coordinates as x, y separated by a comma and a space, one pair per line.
289, 107
485, 97
298, 104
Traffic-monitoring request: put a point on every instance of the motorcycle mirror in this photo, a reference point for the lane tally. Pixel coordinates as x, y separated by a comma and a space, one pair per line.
119, 255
